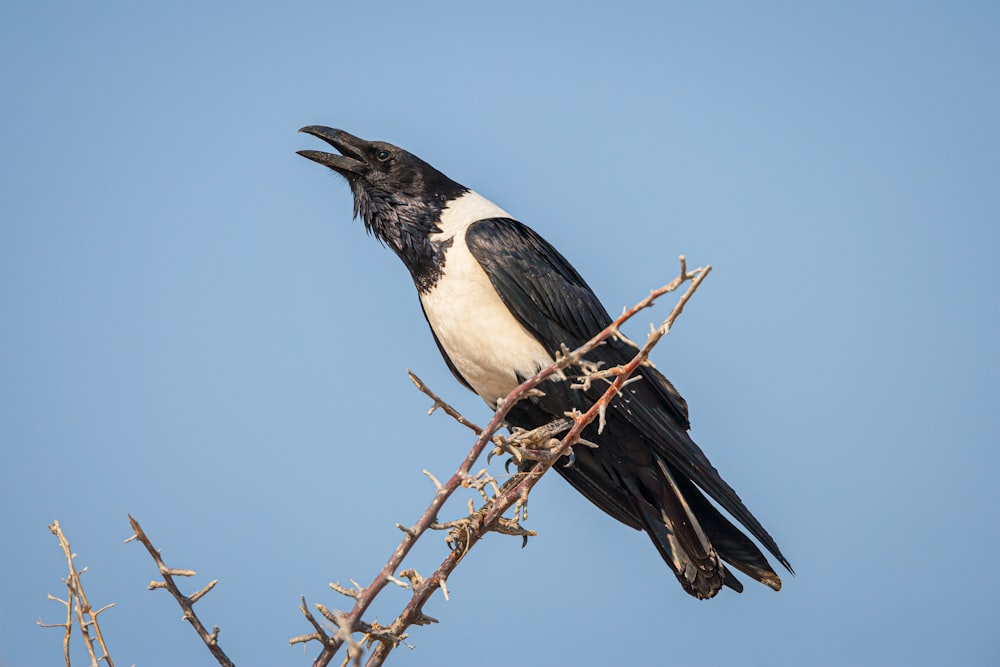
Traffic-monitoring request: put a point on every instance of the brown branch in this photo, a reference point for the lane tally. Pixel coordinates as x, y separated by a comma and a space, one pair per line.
440, 403
518, 487
513, 492
78, 605
211, 639
67, 626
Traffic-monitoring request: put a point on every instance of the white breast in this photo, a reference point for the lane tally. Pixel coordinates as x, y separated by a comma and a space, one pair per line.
482, 339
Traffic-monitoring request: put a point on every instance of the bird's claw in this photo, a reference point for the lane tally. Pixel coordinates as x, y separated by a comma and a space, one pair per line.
571, 459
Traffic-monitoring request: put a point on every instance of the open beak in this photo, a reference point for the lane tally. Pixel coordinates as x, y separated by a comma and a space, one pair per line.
350, 163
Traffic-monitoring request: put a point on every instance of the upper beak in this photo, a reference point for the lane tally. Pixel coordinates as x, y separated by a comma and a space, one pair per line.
351, 162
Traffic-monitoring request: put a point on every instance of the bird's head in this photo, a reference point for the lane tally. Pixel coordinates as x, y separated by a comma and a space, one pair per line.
396, 193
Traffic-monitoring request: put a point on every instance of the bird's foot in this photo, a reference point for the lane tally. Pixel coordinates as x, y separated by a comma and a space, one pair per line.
538, 444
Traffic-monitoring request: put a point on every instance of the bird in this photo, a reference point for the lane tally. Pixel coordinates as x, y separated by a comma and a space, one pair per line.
502, 303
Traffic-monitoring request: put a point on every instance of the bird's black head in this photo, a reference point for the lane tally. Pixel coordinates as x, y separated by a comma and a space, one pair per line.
392, 188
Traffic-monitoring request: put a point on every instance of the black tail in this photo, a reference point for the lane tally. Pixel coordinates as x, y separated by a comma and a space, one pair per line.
735, 547
647, 473
676, 532
690, 534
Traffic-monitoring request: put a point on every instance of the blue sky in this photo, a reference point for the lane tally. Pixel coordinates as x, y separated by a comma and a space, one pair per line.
195, 331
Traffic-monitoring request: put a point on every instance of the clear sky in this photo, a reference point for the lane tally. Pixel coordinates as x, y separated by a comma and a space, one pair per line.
193, 329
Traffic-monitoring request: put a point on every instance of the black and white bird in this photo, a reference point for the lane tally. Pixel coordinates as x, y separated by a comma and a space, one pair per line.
500, 302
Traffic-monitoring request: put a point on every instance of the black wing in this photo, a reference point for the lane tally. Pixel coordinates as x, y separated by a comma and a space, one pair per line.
542, 289
549, 297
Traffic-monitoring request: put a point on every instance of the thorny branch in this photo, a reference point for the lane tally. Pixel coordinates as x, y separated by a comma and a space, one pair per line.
211, 639
538, 445
77, 605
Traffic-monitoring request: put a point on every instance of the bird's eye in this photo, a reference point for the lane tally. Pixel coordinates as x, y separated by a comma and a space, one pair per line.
382, 155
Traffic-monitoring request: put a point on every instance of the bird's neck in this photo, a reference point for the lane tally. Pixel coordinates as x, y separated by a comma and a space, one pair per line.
406, 225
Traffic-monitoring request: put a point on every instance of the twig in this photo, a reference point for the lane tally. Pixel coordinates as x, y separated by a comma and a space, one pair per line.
211, 639
440, 403
78, 604
67, 626
514, 491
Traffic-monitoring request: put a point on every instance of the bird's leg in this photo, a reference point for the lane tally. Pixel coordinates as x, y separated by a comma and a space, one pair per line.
461, 530
521, 506
535, 445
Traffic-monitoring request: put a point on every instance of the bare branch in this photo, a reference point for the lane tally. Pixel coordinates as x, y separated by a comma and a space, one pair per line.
320, 635
440, 403
77, 605
211, 639
67, 626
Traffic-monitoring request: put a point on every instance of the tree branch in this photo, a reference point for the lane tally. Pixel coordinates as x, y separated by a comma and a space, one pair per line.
78, 605
211, 639
467, 532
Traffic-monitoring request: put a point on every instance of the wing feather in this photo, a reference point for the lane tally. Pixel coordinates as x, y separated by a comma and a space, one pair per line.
549, 297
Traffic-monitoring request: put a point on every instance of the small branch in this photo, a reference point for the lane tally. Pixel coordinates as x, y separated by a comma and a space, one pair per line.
320, 635
67, 626
211, 639
440, 403
78, 605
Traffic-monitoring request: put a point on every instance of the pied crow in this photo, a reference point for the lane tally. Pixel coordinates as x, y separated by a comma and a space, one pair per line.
501, 302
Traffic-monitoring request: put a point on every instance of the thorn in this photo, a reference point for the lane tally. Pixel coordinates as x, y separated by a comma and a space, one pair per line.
437, 484
347, 592
197, 596
444, 589
327, 614
175, 572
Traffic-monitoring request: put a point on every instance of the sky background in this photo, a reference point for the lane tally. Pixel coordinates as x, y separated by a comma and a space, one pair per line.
194, 331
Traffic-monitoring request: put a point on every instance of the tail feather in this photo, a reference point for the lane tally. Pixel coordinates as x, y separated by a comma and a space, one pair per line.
637, 485
677, 533
732, 544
